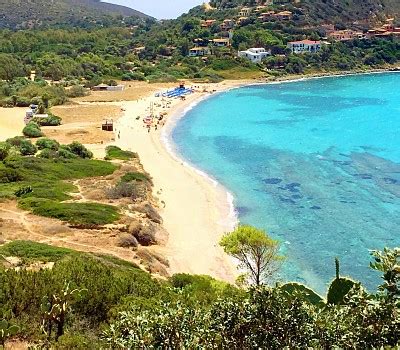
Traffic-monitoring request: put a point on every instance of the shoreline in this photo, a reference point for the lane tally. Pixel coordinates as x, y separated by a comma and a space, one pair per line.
197, 209
219, 199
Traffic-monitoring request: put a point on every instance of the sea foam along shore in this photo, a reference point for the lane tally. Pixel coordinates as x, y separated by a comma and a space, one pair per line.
198, 210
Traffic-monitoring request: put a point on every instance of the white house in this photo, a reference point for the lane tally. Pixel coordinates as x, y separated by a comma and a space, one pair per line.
302, 46
255, 54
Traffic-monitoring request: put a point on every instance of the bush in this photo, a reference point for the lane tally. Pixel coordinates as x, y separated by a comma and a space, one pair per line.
23, 191
24, 146
64, 152
133, 76
32, 130
4, 150
48, 154
140, 177
51, 120
47, 143
124, 190
79, 150
9, 175
76, 91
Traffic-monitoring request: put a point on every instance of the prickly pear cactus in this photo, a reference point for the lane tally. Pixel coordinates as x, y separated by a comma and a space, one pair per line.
303, 291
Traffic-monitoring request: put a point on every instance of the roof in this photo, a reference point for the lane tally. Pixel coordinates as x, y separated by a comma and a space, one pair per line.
306, 42
221, 40
198, 48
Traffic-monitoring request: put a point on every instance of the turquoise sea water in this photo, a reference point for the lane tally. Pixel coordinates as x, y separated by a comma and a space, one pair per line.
316, 163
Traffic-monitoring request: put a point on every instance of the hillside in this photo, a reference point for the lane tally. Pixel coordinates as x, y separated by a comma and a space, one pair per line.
349, 11
345, 11
35, 13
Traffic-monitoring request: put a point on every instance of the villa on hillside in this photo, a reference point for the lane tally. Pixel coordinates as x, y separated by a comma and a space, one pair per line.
284, 15
207, 23
241, 20
254, 54
227, 24
304, 46
199, 51
387, 30
266, 16
345, 35
221, 42
245, 12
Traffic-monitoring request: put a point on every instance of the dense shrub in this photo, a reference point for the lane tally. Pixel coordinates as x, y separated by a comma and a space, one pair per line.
24, 146
48, 154
8, 175
32, 130
76, 91
64, 152
135, 176
133, 76
124, 190
4, 150
47, 143
79, 150
51, 120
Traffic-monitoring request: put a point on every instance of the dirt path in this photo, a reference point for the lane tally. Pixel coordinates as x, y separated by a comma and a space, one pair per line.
21, 219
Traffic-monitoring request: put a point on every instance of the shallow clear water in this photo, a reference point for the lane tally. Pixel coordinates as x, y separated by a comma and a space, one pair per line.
316, 163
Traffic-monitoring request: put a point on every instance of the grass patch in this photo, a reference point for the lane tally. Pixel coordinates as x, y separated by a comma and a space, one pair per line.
74, 213
135, 176
116, 261
238, 73
47, 179
33, 251
114, 152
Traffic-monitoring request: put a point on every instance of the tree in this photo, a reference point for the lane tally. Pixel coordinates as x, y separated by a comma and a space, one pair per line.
10, 67
257, 252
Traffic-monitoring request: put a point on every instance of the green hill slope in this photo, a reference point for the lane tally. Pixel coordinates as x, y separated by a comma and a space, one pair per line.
33, 13
329, 10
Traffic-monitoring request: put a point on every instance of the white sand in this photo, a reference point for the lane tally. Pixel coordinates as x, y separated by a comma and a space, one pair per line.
197, 211
11, 122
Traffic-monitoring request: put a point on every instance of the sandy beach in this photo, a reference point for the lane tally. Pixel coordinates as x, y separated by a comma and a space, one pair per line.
195, 209
11, 122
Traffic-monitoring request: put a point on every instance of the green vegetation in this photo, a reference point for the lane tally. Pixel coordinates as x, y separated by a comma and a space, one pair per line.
32, 130
32, 251
91, 53
85, 13
114, 152
126, 308
51, 120
140, 177
257, 253
84, 214
46, 143
48, 190
21, 145
308, 294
